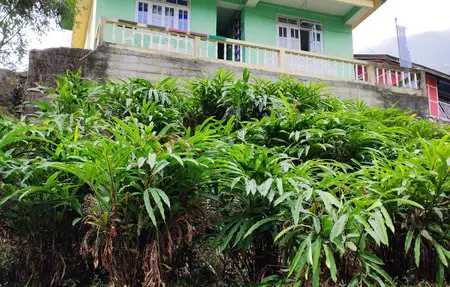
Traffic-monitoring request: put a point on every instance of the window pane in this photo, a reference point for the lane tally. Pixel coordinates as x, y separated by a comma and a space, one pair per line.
282, 20
172, 1
183, 2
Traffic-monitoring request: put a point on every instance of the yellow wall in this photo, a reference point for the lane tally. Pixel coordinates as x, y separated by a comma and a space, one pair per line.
81, 23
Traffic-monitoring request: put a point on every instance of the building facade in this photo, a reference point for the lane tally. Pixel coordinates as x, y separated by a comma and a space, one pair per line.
316, 26
436, 84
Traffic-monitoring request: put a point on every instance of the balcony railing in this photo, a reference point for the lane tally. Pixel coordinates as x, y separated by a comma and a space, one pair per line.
252, 55
444, 111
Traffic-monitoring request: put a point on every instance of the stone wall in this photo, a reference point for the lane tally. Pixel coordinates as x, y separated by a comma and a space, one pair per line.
11, 90
113, 62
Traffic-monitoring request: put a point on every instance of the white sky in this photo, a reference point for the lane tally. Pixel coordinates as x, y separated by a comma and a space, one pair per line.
417, 16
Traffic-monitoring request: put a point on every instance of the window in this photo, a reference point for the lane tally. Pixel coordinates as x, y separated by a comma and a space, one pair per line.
172, 14
299, 34
143, 12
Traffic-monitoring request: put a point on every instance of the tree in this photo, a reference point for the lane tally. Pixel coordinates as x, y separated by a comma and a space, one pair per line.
19, 18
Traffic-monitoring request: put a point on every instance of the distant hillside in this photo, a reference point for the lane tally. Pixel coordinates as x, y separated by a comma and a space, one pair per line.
431, 49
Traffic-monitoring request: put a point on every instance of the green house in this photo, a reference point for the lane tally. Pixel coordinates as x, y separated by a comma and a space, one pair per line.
317, 26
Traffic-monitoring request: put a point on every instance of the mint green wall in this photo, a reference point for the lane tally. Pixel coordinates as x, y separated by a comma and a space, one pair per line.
204, 16
261, 22
116, 9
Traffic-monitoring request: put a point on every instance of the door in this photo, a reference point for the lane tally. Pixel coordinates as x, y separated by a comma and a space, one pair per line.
289, 37
183, 19
169, 17
294, 39
316, 39
157, 15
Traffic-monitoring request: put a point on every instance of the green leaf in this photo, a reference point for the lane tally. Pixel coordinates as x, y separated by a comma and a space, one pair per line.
354, 282
417, 250
316, 222
330, 262
380, 271
164, 196
280, 186
440, 252
440, 274
180, 161
372, 258
296, 210
350, 245
75, 221
259, 224
408, 240
405, 201
282, 198
329, 200
141, 162
299, 254
377, 223
387, 219
149, 208
285, 230
316, 255
157, 199
151, 160
159, 166
338, 227
265, 187
230, 236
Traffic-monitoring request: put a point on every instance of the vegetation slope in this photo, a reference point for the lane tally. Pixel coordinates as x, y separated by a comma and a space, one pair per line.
220, 182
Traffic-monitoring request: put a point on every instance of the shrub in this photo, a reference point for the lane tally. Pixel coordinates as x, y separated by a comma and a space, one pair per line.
222, 181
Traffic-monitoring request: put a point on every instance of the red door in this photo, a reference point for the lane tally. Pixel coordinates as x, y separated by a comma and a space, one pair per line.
433, 97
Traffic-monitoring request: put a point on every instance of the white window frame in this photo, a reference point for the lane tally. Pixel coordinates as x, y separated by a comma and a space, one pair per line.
164, 4
299, 21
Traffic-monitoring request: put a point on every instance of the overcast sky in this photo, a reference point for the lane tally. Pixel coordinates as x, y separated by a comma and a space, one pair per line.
417, 16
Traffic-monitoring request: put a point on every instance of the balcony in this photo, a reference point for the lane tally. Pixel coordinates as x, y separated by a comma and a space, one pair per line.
241, 53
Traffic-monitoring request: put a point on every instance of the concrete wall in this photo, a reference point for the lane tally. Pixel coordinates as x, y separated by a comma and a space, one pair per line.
11, 90
114, 63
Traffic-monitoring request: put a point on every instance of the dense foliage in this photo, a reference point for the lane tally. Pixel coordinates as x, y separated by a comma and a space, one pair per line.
221, 182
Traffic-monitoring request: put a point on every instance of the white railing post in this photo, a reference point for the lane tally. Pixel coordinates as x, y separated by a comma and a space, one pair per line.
282, 58
372, 74
197, 46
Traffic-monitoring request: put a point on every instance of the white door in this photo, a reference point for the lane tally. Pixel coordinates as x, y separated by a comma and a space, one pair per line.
157, 15
315, 40
294, 39
183, 20
169, 17
283, 37
289, 37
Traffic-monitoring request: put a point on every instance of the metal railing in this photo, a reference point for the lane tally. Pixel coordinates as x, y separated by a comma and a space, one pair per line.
444, 111
251, 54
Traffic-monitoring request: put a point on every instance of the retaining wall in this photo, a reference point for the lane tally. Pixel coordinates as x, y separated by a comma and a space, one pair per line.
116, 62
